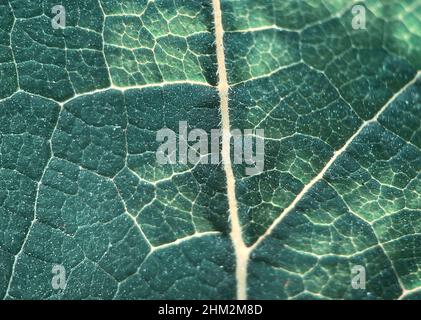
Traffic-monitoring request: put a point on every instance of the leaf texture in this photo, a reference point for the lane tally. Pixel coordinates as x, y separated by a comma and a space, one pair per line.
79, 182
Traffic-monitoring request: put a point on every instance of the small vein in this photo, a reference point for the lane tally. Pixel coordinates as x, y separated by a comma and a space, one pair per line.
34, 219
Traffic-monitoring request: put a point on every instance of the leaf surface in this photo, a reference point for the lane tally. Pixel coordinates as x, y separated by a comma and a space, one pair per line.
79, 182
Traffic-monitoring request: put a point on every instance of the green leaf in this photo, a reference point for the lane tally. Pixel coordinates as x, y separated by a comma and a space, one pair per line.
80, 186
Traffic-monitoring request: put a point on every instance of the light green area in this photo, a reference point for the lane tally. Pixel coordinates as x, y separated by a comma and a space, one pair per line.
159, 41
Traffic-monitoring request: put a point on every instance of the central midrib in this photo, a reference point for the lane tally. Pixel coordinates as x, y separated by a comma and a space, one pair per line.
240, 249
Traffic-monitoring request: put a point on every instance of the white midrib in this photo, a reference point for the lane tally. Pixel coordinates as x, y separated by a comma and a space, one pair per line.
240, 249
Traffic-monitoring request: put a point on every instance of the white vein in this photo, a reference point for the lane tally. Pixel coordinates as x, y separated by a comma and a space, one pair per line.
240, 249
337, 153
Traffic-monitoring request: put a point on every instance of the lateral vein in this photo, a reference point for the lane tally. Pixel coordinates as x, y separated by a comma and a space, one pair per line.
337, 153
